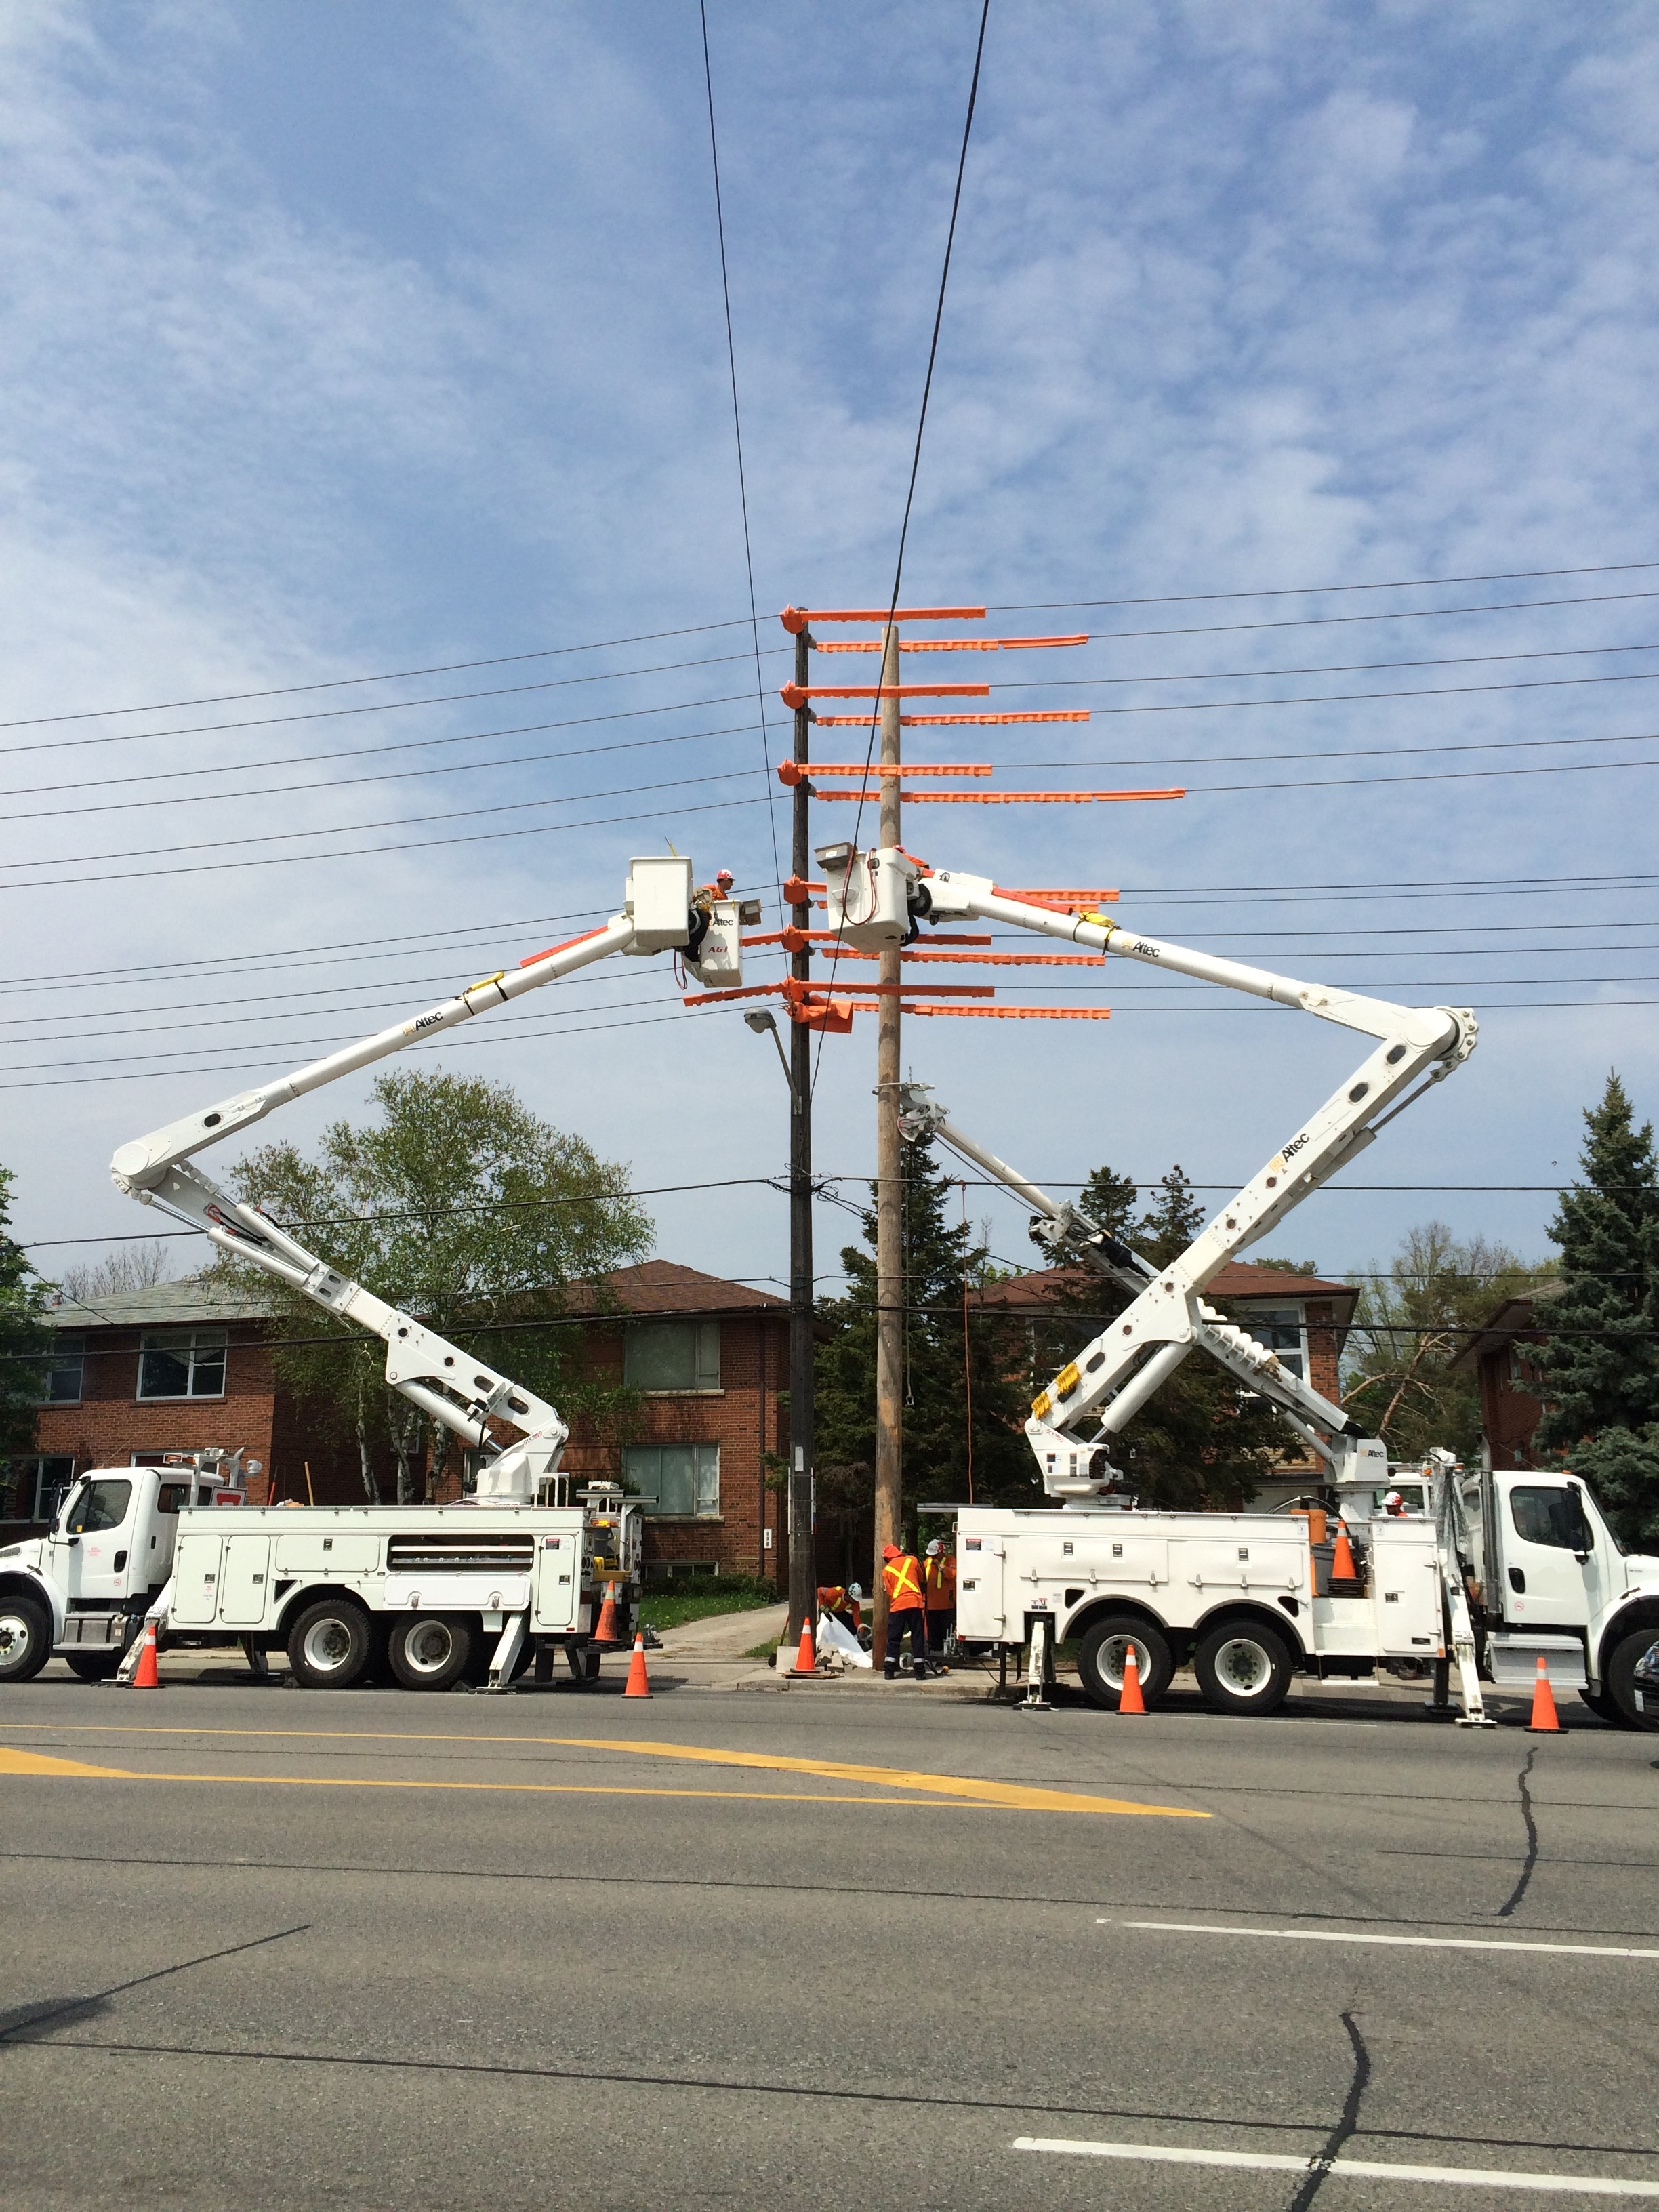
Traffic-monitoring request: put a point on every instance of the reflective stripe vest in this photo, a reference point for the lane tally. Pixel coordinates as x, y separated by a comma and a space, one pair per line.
833, 1598
902, 1579
941, 1575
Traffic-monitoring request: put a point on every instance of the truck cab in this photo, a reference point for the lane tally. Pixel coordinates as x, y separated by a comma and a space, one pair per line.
80, 1591
1554, 1581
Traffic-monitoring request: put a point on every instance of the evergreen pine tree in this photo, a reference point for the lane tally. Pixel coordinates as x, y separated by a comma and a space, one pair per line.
23, 1335
1600, 1361
1199, 1441
941, 1374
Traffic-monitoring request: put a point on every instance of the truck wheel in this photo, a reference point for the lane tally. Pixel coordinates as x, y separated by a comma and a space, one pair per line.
25, 1638
328, 1644
1100, 1660
93, 1665
431, 1650
1605, 1707
1637, 1703
1243, 1669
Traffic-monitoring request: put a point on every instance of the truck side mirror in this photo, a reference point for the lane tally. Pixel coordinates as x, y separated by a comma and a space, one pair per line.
1583, 1542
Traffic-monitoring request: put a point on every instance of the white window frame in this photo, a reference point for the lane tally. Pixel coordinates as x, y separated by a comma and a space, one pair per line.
705, 1358
706, 1478
1256, 1319
69, 1348
187, 1343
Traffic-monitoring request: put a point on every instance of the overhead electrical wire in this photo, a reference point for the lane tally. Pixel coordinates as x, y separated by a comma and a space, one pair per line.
1312, 591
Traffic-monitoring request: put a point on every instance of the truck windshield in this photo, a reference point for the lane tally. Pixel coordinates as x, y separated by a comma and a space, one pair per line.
101, 1505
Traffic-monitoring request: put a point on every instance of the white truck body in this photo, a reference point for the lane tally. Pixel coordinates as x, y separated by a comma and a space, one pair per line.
1535, 1564
133, 1544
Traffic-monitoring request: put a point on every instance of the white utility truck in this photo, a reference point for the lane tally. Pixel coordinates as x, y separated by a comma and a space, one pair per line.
434, 1594
1496, 1571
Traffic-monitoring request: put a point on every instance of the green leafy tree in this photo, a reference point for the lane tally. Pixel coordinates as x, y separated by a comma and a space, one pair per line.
1413, 1320
1599, 1364
1200, 1440
460, 1206
24, 1337
962, 1366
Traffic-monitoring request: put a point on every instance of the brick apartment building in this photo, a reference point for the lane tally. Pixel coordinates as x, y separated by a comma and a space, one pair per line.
182, 1366
1497, 1357
1302, 1318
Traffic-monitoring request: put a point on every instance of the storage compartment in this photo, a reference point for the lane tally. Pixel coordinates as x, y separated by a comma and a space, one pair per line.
324, 1550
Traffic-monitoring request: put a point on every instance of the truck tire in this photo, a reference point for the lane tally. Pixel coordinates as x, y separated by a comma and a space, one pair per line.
328, 1645
93, 1665
1619, 1675
25, 1638
1605, 1707
1101, 1656
432, 1650
1243, 1667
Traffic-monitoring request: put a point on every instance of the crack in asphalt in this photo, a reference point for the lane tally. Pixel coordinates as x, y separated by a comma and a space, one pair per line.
1346, 2126
1522, 1780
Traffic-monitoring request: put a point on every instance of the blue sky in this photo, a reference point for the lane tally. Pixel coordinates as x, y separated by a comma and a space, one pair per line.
346, 338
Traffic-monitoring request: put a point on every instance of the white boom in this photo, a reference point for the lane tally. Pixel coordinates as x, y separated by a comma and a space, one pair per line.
880, 898
660, 913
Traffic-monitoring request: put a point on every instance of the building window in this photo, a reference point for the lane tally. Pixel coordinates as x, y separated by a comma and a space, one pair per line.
183, 1362
671, 1355
1280, 1328
61, 1375
38, 1485
679, 1479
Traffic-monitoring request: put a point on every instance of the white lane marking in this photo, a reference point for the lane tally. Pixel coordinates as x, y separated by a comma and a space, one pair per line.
1408, 1942
1469, 2177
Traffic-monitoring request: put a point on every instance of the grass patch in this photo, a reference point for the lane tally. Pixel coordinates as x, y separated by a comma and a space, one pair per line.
676, 1608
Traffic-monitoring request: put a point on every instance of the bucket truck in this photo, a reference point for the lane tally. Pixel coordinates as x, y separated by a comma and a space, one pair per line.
434, 1594
1496, 1570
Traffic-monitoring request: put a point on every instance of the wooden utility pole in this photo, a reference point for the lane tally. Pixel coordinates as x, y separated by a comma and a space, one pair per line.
803, 1566
890, 1185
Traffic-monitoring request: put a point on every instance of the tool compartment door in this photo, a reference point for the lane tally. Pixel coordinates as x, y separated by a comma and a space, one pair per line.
982, 1609
196, 1579
556, 1590
1405, 1578
244, 1580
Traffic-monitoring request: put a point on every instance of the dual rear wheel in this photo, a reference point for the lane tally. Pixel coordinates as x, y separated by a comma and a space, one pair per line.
334, 1643
1242, 1667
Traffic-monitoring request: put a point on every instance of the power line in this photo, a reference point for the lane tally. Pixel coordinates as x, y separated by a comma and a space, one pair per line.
737, 427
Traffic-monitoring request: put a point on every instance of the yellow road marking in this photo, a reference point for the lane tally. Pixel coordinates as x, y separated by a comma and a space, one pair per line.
1006, 1796
36, 1762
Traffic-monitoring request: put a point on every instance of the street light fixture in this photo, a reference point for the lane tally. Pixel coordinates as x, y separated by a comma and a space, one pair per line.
760, 1023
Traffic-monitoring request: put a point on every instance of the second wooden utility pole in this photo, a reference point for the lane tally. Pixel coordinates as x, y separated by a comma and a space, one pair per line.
890, 1184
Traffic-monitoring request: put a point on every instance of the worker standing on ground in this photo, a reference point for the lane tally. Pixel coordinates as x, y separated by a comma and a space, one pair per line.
900, 1575
939, 1574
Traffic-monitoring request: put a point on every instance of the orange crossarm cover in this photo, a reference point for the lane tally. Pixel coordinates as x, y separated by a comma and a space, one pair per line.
1020, 1013
798, 892
1068, 897
791, 771
946, 644
795, 619
1004, 798
794, 991
979, 721
797, 695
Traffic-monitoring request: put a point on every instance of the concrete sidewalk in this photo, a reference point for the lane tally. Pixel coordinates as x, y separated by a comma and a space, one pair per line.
725, 1635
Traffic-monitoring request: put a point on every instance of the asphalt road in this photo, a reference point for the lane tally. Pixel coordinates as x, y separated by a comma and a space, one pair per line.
374, 1949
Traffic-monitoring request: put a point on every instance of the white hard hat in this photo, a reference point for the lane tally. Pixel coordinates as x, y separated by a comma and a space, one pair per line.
935, 1548
1394, 1499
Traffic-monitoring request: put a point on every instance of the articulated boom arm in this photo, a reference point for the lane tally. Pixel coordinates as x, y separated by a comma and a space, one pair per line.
879, 897
660, 913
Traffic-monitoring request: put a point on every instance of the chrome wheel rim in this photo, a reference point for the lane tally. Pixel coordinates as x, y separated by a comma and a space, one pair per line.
1111, 1659
14, 1634
327, 1646
429, 1647
1243, 1667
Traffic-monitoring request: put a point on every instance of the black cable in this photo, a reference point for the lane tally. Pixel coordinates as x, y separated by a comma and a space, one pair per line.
1401, 614
1311, 591
916, 459
737, 428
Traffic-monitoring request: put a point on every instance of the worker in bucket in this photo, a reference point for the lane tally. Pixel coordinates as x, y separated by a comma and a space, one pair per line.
907, 1609
939, 1579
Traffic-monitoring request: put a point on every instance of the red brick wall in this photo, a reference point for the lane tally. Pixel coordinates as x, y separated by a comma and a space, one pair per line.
111, 1421
1508, 1414
744, 1417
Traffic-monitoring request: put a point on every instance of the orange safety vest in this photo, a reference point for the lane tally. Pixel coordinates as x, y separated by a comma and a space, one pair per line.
941, 1575
833, 1598
902, 1579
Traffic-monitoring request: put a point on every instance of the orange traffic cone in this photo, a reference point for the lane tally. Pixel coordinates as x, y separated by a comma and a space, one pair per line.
1129, 1699
1343, 1569
806, 1651
1544, 1721
605, 1633
638, 1685
146, 1677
